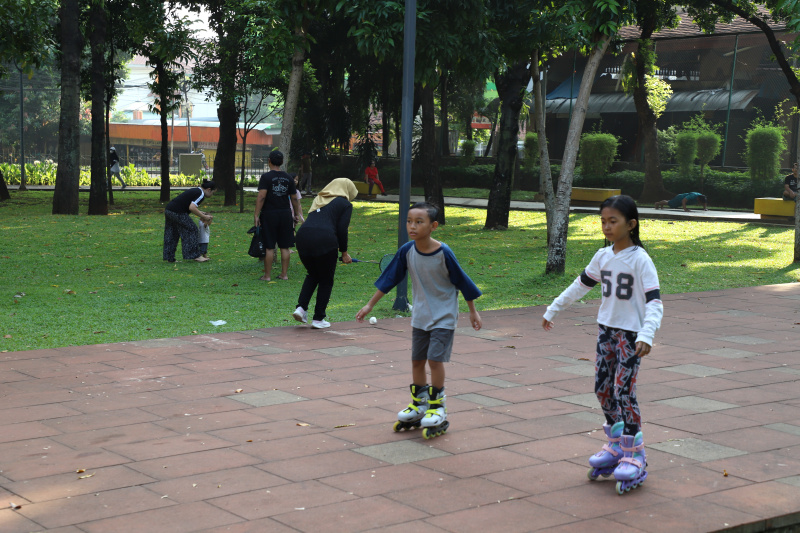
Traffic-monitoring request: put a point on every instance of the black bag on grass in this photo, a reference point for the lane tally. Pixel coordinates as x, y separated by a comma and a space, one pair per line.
256, 245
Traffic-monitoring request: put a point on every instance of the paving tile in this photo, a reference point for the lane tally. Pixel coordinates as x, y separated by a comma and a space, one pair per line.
90, 507
705, 423
757, 439
730, 353
180, 445
69, 485
495, 382
699, 371
792, 480
54, 459
25, 431
689, 481
176, 519
190, 464
585, 400
596, 525
272, 397
374, 512
580, 370
760, 466
506, 516
570, 447
382, 480
455, 496
282, 499
35, 413
764, 500
697, 449
215, 484
744, 339
597, 499
785, 428
480, 399
544, 477
479, 463
343, 351
685, 515
697, 404
404, 451
14, 522
320, 466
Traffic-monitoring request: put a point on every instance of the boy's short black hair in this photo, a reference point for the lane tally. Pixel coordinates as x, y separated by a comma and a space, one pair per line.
276, 157
428, 207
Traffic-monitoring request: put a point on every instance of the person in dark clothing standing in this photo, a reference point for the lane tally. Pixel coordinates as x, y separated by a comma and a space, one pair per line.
113, 166
179, 225
276, 192
790, 185
319, 240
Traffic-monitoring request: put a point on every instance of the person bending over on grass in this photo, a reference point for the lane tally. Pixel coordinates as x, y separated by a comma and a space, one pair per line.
179, 225
436, 279
318, 239
276, 192
684, 199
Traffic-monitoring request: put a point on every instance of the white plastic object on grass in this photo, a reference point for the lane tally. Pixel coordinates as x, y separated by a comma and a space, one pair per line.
217, 322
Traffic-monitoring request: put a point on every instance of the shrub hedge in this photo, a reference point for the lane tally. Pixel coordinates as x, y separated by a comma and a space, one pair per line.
597, 152
764, 147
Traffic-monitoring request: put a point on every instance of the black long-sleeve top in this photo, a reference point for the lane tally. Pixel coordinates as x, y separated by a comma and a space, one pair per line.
325, 229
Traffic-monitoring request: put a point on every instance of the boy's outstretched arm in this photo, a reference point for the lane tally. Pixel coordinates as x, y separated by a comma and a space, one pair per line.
370, 304
474, 318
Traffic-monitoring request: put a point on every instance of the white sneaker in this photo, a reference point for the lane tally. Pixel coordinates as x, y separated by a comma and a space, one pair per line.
300, 315
320, 324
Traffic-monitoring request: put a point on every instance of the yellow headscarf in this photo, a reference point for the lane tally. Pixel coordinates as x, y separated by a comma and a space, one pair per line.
338, 187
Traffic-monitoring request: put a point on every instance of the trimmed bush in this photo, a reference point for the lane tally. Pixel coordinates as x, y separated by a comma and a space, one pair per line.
597, 152
708, 145
765, 144
666, 144
686, 151
467, 152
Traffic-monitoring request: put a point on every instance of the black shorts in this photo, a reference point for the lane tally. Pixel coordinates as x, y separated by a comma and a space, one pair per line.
277, 227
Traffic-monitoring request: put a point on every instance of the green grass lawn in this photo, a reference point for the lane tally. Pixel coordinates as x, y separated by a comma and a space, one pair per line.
68, 280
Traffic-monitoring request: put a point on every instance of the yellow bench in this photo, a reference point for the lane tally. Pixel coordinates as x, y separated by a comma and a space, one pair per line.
363, 189
586, 195
773, 208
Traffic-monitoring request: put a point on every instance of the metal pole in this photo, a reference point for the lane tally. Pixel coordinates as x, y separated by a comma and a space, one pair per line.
730, 96
22, 179
406, 120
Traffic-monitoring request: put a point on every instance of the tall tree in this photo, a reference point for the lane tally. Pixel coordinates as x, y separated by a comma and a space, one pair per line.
98, 200
760, 15
65, 196
651, 16
168, 43
593, 24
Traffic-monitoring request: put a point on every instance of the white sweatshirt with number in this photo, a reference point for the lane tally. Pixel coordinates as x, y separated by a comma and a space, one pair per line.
631, 295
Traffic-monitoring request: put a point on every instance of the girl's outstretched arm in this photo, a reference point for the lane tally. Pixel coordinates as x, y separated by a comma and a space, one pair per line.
547, 324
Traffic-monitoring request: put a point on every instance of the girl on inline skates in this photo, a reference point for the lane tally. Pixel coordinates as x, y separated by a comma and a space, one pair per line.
630, 313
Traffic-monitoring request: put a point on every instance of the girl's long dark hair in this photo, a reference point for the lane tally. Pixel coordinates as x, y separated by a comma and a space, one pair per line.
627, 206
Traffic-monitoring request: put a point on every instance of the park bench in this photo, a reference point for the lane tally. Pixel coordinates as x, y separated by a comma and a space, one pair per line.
589, 196
773, 208
363, 189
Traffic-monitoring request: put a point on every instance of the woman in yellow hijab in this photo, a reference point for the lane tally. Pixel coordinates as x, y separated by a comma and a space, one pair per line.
319, 240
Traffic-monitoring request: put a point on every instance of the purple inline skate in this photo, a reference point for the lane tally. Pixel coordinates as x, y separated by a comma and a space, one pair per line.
606, 460
630, 473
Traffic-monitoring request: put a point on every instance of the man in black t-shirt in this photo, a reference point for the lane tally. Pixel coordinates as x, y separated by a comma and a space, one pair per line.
276, 189
790, 185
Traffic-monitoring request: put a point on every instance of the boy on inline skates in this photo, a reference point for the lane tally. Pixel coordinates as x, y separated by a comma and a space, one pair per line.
436, 278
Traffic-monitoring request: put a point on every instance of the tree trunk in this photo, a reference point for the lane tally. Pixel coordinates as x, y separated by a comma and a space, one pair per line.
385, 128
511, 88
65, 196
545, 174
468, 127
292, 97
557, 247
225, 160
98, 201
444, 131
430, 167
107, 116
3, 188
653, 189
162, 111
